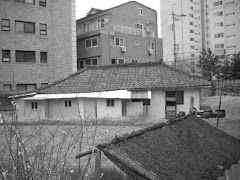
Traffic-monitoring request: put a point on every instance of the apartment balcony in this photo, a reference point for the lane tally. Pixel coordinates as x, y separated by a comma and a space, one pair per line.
115, 28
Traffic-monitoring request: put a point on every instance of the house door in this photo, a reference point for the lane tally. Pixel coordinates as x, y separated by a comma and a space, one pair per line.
170, 104
134, 108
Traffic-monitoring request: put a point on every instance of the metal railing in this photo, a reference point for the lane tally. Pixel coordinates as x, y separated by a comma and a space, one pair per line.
116, 28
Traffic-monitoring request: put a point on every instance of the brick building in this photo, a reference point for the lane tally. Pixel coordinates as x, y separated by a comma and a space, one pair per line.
123, 34
37, 42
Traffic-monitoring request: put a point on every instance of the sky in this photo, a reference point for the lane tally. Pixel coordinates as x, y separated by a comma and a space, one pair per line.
84, 6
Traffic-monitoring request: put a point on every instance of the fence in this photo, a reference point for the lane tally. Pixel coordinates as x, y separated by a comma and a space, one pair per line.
232, 174
228, 87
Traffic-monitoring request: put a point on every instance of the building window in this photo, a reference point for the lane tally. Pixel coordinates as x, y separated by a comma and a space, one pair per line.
191, 7
191, 23
26, 1
135, 61
43, 3
101, 24
218, 35
25, 56
110, 102
219, 46
220, 13
230, 25
43, 57
151, 45
43, 29
25, 27
89, 62
5, 24
34, 105
191, 15
191, 31
191, 39
179, 96
26, 87
6, 55
192, 47
93, 42
220, 24
227, 3
218, 3
231, 36
7, 87
231, 13
118, 61
192, 55
68, 103
140, 11
118, 41
136, 42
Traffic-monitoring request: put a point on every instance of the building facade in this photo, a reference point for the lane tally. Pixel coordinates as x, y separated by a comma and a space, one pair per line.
186, 15
210, 24
222, 26
37, 42
123, 34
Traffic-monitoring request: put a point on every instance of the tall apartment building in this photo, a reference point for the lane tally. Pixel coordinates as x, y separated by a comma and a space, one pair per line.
213, 24
37, 42
123, 34
188, 33
222, 26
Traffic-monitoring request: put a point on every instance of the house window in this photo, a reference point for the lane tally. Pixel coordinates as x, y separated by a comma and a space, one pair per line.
7, 87
43, 29
5, 24
25, 27
93, 42
110, 102
43, 57
179, 95
25, 56
118, 41
26, 87
118, 61
34, 105
135, 61
191, 31
101, 24
26, 1
114, 61
139, 26
191, 39
121, 61
191, 23
68, 103
140, 11
43, 3
6, 55
151, 45
89, 62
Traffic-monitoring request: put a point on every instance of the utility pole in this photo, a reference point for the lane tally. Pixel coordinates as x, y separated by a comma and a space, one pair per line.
175, 17
174, 38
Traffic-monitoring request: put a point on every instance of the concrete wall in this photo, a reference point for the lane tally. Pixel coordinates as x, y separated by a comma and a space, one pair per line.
104, 111
157, 105
59, 43
187, 94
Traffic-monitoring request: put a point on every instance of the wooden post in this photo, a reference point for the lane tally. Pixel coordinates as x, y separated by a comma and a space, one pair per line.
219, 107
98, 164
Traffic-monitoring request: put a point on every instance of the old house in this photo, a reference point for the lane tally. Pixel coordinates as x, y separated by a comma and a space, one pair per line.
155, 90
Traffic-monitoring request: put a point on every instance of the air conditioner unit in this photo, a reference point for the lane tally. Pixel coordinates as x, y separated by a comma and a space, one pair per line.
150, 51
123, 49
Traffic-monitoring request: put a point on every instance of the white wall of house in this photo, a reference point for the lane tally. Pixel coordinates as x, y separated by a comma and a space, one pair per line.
25, 111
157, 104
57, 109
187, 94
109, 111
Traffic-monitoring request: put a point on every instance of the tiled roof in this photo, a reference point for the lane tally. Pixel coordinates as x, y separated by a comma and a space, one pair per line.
142, 76
183, 149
